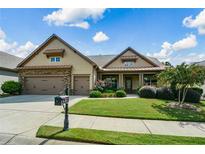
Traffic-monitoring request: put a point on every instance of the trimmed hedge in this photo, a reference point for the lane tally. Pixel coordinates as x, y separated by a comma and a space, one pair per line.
11, 87
120, 93
199, 90
147, 92
192, 96
95, 94
165, 93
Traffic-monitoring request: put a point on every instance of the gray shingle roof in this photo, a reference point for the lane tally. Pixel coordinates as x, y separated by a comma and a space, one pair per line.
201, 63
155, 60
101, 60
8, 60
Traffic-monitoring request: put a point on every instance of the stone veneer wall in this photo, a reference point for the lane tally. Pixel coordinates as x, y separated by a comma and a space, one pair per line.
64, 72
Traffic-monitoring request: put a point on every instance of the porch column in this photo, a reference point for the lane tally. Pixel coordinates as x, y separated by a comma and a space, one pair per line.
120, 80
141, 79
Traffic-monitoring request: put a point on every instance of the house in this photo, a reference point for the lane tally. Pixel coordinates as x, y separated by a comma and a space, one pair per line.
8, 64
55, 64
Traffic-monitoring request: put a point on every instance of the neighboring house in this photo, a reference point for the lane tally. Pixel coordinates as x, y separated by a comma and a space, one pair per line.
8, 64
201, 63
55, 64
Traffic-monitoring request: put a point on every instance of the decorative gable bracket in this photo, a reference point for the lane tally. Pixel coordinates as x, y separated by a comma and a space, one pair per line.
54, 52
129, 58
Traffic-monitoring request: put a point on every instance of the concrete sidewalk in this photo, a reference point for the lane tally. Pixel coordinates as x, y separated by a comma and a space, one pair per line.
195, 129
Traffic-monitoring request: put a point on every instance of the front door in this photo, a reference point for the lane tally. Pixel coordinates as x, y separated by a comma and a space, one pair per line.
128, 84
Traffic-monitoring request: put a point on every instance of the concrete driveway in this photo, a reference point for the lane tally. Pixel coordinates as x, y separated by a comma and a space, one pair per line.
21, 116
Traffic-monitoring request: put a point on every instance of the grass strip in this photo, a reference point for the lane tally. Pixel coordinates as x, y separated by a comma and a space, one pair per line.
115, 138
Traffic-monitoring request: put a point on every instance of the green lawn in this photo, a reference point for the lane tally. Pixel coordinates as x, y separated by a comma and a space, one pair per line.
136, 108
110, 137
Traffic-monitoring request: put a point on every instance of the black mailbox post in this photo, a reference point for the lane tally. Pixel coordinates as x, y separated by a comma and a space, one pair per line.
63, 101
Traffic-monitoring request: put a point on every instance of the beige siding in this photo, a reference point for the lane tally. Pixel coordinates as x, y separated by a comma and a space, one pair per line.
139, 63
79, 65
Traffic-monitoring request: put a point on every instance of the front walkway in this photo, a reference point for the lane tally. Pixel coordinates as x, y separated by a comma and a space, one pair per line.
195, 129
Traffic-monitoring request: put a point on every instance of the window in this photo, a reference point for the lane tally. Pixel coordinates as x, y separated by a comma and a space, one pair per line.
150, 79
55, 59
128, 63
111, 81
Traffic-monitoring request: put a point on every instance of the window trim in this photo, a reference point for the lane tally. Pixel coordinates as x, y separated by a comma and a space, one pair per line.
54, 59
129, 62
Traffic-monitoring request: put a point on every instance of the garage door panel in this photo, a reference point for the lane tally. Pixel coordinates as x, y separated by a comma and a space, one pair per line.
44, 85
81, 85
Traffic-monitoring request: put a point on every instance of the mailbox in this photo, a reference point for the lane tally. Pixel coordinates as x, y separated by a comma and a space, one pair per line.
61, 100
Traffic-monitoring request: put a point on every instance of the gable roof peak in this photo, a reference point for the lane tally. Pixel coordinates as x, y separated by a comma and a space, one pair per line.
46, 42
135, 52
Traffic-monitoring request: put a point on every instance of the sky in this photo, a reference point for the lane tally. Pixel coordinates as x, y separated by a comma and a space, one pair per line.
174, 35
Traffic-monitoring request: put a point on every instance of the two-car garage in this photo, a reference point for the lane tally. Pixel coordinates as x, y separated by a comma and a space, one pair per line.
43, 85
55, 85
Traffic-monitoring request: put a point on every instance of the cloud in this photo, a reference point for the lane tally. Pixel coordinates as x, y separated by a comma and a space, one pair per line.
84, 25
186, 43
2, 34
74, 17
13, 47
100, 37
197, 22
167, 48
189, 58
164, 53
23, 50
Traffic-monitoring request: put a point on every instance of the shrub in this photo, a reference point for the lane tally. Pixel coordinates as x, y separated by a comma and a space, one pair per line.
147, 92
11, 87
192, 96
108, 94
95, 94
109, 91
137, 90
165, 93
199, 90
120, 93
121, 88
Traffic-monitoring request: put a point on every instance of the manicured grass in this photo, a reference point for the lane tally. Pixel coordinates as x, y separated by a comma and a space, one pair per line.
136, 108
110, 137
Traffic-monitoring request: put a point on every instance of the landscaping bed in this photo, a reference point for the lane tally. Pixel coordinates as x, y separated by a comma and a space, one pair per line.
137, 108
111, 137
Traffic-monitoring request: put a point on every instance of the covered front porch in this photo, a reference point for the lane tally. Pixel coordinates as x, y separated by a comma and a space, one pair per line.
129, 81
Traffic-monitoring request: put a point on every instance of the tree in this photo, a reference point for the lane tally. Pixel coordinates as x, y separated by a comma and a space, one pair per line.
168, 64
183, 76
